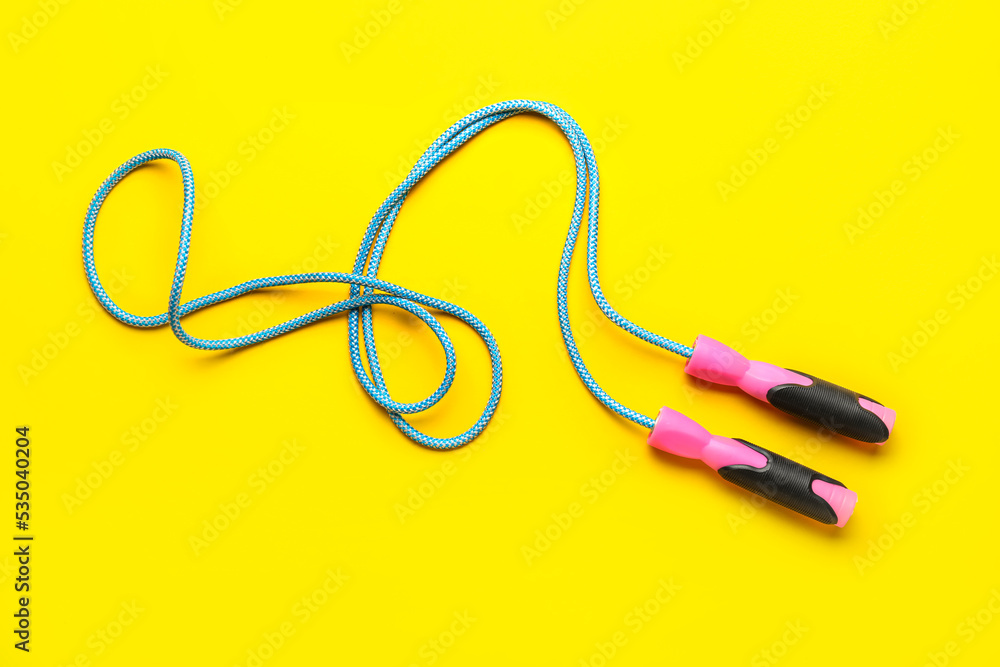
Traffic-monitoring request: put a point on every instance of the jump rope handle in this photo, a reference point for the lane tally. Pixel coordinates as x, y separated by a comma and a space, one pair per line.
828, 405
756, 469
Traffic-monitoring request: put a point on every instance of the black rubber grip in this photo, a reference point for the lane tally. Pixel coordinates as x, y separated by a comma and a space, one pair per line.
783, 481
831, 406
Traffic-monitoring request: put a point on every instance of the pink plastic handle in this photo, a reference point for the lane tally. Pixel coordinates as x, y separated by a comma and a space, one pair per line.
833, 407
721, 364
756, 469
683, 436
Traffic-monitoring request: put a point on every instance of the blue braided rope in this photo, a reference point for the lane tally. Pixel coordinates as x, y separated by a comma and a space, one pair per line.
367, 290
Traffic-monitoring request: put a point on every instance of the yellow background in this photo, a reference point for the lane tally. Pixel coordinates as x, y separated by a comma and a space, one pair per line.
757, 584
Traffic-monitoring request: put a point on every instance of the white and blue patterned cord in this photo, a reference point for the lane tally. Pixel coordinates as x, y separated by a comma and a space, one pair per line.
367, 290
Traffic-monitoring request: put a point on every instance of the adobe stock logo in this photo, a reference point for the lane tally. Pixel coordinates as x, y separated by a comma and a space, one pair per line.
712, 29
967, 630
31, 24
637, 618
780, 647
913, 169
922, 502
900, 16
371, 29
785, 127
957, 299
121, 108
591, 491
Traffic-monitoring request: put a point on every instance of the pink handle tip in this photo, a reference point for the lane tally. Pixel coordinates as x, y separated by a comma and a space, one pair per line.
887, 415
841, 500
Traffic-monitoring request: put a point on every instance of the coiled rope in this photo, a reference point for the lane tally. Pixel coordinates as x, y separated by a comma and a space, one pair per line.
367, 290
